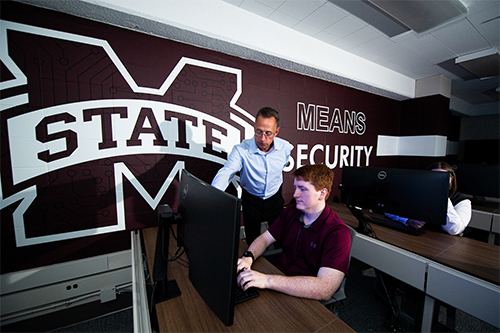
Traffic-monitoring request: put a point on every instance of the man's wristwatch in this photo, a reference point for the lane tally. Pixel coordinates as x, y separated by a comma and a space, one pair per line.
249, 254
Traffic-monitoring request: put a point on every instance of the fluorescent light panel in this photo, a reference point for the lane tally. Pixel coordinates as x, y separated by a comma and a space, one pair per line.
422, 15
393, 17
482, 64
372, 15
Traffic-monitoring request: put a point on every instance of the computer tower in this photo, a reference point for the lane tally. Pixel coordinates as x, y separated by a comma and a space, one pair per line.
410, 303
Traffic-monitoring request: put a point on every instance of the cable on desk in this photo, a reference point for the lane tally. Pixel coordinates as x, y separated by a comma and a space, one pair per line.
369, 228
364, 227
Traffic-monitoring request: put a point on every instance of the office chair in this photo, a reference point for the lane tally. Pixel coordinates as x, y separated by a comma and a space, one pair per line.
340, 293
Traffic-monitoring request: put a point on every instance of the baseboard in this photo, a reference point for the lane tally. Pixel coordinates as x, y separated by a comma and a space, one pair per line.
35, 292
70, 316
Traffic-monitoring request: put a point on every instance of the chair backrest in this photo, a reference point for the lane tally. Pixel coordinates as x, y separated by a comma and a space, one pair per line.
353, 235
340, 293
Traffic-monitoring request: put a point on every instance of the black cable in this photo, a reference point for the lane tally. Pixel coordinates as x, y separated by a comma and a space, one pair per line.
394, 307
369, 226
364, 227
152, 300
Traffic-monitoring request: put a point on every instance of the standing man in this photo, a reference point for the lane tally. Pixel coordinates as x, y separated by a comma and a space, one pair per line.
260, 162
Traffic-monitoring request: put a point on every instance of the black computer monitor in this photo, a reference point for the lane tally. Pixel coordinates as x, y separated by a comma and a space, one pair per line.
209, 232
479, 180
417, 194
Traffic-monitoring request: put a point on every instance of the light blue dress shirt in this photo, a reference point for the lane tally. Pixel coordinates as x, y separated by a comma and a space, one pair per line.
261, 174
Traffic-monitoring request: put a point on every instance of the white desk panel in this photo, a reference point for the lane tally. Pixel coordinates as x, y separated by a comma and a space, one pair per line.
480, 220
401, 264
477, 297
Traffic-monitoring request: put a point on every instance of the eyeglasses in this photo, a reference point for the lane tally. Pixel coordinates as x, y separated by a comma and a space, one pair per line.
267, 134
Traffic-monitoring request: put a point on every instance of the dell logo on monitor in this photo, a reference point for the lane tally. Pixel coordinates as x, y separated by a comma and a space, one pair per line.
382, 175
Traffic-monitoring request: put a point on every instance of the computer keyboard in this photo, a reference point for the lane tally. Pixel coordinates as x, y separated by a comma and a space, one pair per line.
396, 226
245, 295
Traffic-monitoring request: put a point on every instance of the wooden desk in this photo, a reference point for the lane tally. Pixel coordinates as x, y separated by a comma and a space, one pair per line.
270, 312
469, 256
461, 272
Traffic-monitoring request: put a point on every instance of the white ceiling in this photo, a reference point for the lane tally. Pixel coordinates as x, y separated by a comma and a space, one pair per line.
411, 54
292, 34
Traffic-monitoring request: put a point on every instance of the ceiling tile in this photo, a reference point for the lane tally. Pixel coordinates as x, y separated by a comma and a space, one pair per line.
431, 49
300, 9
234, 2
284, 19
375, 44
390, 50
274, 4
364, 35
461, 37
487, 22
324, 16
345, 44
326, 37
408, 59
388, 63
344, 27
306, 28
434, 52
256, 8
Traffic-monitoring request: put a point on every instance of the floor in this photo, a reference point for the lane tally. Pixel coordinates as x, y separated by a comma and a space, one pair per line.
366, 308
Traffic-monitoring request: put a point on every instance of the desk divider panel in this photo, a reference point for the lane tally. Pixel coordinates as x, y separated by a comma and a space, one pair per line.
140, 307
477, 297
401, 264
480, 220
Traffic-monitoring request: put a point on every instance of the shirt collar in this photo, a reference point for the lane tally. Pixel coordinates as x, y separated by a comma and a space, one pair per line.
316, 225
255, 149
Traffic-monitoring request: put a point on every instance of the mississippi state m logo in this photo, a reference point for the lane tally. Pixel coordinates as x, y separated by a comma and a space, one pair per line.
85, 150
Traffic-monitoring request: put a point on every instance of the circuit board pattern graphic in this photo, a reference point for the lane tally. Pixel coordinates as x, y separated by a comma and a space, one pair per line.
80, 197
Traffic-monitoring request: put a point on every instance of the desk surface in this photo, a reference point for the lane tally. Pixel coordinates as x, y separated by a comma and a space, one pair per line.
469, 256
486, 206
271, 311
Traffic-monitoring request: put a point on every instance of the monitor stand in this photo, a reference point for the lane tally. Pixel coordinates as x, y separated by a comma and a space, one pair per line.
165, 289
362, 224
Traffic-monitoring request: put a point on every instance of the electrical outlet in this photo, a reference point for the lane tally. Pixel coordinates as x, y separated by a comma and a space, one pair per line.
108, 294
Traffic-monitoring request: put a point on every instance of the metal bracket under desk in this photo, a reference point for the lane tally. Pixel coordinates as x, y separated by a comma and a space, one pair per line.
401, 264
474, 296
495, 228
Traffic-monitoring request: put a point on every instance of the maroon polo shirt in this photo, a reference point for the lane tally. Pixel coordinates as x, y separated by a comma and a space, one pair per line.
324, 243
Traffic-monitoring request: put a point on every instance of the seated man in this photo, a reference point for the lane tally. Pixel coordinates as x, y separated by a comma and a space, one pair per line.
316, 242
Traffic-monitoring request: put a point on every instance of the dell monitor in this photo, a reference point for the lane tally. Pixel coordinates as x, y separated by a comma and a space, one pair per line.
416, 194
209, 232
481, 181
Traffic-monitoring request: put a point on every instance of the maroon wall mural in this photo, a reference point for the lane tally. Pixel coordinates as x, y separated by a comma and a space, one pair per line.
97, 121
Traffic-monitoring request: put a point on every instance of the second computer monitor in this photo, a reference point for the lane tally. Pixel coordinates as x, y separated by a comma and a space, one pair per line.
416, 194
